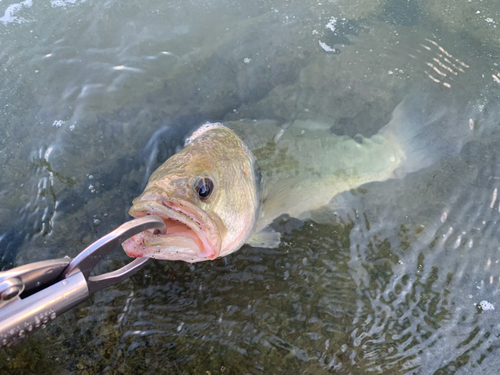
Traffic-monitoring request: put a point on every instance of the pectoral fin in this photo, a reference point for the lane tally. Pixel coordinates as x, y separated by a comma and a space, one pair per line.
267, 237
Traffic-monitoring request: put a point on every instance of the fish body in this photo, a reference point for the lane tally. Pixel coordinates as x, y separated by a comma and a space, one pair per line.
231, 181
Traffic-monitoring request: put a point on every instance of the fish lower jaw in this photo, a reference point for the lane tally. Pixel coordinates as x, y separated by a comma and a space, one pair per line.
184, 239
184, 249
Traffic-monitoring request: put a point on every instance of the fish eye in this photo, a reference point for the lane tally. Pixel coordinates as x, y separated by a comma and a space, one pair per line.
204, 187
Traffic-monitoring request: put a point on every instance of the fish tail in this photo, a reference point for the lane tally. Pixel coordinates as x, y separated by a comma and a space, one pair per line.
426, 128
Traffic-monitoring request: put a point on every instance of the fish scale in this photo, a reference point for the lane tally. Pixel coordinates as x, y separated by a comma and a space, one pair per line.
306, 168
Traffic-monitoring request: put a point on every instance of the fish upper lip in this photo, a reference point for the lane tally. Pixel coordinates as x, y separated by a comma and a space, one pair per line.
189, 215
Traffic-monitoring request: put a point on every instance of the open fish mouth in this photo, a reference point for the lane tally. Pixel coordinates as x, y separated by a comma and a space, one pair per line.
191, 234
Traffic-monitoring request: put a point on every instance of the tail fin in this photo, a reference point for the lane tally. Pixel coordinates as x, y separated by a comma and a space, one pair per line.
428, 127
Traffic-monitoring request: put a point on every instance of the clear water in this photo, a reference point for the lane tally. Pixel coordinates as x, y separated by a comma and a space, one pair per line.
95, 95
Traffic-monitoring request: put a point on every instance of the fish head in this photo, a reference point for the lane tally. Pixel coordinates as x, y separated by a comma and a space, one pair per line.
206, 195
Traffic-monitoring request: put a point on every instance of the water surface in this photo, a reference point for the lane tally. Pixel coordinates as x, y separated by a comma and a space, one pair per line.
96, 95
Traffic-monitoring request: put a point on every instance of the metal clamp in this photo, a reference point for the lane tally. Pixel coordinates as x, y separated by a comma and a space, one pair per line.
29, 278
34, 294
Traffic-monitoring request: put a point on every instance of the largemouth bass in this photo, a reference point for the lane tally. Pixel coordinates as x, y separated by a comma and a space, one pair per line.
231, 181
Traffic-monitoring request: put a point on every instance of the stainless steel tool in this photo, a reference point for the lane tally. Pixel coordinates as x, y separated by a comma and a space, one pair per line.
35, 294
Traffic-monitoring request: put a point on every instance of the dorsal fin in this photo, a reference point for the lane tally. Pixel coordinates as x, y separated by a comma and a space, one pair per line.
202, 129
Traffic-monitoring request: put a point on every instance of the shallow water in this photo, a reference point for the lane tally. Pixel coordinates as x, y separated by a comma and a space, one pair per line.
96, 95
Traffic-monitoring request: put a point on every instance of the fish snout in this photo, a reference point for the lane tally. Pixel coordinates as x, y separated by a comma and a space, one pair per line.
179, 188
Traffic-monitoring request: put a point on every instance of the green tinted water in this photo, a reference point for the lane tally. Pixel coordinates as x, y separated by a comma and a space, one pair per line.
96, 95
